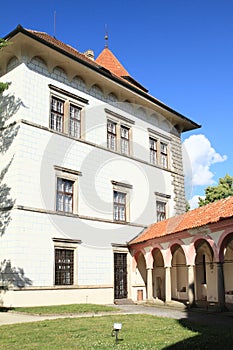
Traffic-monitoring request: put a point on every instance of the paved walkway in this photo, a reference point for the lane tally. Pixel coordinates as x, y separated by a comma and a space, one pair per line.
200, 316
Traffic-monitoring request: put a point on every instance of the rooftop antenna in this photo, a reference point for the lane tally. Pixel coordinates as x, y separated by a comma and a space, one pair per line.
54, 24
106, 36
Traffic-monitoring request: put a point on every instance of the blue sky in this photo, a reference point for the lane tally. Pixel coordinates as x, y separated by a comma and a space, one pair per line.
181, 50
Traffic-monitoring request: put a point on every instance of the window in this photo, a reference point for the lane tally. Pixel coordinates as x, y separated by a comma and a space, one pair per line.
161, 210
119, 132
65, 195
119, 200
153, 150
163, 155
75, 121
124, 140
66, 189
162, 206
121, 195
64, 267
66, 112
111, 135
159, 148
65, 261
57, 114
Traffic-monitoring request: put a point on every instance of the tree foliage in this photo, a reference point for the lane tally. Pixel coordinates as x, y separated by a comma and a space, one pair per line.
3, 86
224, 189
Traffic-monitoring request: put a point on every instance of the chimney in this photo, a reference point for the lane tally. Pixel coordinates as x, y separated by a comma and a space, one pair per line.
90, 54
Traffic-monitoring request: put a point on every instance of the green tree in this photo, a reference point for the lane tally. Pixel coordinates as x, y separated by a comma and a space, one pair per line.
3, 86
224, 189
8, 131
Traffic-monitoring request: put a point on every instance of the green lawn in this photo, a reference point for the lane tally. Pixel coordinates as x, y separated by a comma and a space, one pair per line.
66, 309
138, 332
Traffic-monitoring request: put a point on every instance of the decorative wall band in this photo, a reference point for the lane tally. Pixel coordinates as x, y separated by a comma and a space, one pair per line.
119, 116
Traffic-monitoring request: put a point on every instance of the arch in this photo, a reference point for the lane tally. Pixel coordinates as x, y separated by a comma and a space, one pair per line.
141, 267
59, 74
172, 246
135, 257
223, 240
204, 276
78, 83
12, 63
38, 61
176, 243
179, 272
158, 276
165, 125
127, 106
112, 98
197, 241
96, 91
141, 112
226, 256
154, 119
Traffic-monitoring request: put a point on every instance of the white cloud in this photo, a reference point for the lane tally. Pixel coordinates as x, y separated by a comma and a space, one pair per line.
199, 155
193, 202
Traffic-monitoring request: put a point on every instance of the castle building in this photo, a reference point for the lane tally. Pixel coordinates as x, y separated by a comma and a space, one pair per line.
89, 159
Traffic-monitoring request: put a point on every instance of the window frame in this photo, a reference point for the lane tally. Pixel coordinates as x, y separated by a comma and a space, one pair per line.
64, 244
161, 155
56, 113
69, 100
63, 271
111, 135
119, 205
67, 175
65, 195
121, 123
164, 155
164, 199
159, 213
125, 189
153, 150
75, 120
124, 141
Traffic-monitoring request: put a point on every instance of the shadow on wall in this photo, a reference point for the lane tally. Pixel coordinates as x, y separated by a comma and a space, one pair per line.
11, 276
9, 105
6, 202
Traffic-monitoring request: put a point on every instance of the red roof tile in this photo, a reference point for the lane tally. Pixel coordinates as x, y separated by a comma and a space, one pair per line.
50, 39
110, 62
106, 59
202, 216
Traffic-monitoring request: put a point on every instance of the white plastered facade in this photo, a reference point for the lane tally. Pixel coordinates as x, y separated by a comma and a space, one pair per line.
39, 154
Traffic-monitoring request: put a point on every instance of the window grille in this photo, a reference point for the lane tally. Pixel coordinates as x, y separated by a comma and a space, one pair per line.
64, 267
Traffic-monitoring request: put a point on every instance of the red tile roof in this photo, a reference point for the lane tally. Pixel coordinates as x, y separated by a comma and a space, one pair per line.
110, 62
106, 59
202, 216
50, 39
126, 79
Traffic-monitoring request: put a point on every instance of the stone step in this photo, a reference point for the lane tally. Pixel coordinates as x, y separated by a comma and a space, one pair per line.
123, 302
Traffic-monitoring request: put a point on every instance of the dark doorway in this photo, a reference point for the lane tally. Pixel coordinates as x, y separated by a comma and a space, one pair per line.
120, 275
